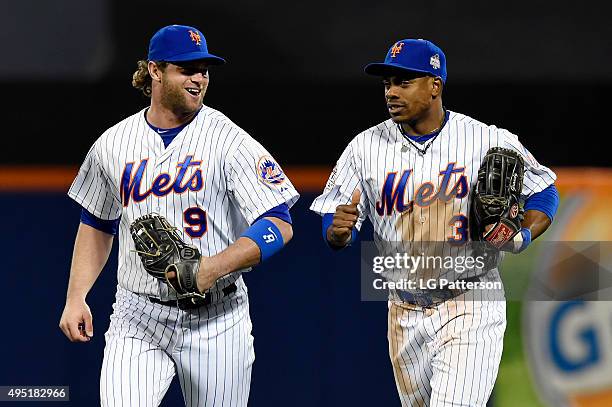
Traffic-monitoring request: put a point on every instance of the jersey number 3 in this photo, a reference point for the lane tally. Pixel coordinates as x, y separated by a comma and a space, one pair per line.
196, 219
459, 223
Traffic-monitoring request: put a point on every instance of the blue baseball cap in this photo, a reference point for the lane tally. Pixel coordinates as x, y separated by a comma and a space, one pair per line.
178, 43
412, 56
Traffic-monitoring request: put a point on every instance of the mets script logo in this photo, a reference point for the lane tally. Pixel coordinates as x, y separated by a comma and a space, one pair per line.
393, 194
396, 49
195, 37
269, 171
434, 61
188, 176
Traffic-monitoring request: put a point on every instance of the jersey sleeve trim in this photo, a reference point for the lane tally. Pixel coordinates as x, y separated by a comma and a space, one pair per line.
537, 176
110, 227
253, 195
344, 179
92, 189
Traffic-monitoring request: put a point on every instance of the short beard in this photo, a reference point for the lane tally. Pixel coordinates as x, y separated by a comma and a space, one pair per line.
172, 98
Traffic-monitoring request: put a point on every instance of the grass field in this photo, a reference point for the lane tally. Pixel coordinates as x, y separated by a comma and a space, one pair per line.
514, 386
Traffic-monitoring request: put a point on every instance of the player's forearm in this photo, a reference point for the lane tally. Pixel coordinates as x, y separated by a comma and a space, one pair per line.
537, 222
243, 253
91, 250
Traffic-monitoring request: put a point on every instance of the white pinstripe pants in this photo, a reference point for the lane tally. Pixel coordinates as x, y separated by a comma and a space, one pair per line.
210, 348
448, 355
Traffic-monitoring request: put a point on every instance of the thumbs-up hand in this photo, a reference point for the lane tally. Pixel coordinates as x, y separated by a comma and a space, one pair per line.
339, 233
356, 197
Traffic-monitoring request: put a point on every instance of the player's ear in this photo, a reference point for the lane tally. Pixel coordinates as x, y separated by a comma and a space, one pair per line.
154, 71
436, 87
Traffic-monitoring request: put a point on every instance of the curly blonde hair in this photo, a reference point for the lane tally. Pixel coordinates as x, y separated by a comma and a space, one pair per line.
141, 79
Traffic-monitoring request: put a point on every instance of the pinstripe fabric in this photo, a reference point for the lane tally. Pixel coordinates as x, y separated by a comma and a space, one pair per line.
210, 349
210, 182
382, 150
449, 355
232, 193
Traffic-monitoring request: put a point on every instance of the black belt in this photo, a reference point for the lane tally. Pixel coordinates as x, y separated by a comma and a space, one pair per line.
194, 302
434, 297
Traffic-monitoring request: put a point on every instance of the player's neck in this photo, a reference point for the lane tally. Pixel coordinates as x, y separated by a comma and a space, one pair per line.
431, 122
163, 118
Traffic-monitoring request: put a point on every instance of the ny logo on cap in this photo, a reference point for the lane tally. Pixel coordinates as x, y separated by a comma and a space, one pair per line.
434, 61
195, 37
396, 49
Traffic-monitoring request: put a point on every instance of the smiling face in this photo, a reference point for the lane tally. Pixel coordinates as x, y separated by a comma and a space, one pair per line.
410, 96
181, 85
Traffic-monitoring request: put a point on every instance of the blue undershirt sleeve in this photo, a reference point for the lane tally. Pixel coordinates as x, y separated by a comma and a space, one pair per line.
107, 226
281, 212
546, 201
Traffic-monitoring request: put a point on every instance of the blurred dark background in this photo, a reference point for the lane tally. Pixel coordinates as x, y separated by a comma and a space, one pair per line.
294, 80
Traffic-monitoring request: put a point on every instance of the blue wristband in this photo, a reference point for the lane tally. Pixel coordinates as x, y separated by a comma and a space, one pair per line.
266, 236
526, 233
327, 221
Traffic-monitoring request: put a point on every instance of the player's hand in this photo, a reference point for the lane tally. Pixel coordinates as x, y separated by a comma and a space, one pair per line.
76, 322
207, 276
517, 244
345, 218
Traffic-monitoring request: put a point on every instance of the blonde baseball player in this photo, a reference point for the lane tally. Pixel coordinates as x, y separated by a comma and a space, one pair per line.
223, 192
411, 176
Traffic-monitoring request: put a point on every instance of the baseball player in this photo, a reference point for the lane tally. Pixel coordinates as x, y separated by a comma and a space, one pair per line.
225, 194
411, 176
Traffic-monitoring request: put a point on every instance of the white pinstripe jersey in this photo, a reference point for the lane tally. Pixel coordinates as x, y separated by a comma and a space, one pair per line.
413, 196
211, 182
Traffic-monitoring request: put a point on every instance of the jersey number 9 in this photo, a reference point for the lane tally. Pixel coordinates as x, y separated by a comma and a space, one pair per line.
196, 219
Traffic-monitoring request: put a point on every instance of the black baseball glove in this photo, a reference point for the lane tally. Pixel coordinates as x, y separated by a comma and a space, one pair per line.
495, 200
162, 251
